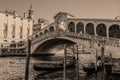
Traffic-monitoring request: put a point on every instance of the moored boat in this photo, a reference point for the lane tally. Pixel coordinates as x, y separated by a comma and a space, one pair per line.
108, 68
116, 67
52, 65
89, 67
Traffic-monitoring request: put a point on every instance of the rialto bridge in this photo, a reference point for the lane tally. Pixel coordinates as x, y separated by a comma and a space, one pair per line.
90, 33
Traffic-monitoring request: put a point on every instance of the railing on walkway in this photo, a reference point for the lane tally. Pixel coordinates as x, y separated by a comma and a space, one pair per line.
109, 41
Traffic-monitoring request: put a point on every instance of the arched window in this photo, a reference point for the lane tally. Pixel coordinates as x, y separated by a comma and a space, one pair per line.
21, 30
28, 30
5, 41
13, 29
46, 31
5, 31
80, 27
40, 34
71, 27
12, 42
114, 31
21, 43
36, 36
101, 30
51, 29
90, 28
32, 38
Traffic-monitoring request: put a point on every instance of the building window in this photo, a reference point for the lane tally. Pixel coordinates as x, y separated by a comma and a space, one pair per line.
13, 31
5, 30
51, 29
13, 36
28, 30
21, 31
40, 34
5, 41
46, 31
13, 44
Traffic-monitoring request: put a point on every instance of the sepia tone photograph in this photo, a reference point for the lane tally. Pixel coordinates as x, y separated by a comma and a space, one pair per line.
59, 39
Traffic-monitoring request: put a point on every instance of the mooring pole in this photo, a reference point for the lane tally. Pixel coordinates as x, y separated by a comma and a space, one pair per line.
96, 62
28, 60
103, 62
65, 52
77, 64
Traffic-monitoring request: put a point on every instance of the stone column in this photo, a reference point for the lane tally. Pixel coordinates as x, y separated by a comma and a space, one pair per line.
84, 28
75, 28
95, 33
107, 31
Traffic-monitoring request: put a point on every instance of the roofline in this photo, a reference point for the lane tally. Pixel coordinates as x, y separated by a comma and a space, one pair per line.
64, 13
97, 19
3, 12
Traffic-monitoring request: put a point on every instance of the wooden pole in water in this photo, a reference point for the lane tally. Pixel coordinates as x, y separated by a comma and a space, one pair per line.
65, 52
96, 63
77, 64
103, 62
28, 60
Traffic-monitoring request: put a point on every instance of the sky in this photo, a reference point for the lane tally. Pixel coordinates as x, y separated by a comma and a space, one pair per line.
80, 8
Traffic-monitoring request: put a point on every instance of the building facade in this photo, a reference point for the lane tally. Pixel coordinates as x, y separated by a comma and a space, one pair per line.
15, 28
42, 23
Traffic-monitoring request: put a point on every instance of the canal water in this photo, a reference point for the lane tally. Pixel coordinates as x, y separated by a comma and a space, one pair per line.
13, 68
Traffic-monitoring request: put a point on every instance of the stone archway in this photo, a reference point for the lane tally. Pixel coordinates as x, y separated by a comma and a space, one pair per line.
101, 29
51, 29
114, 31
71, 27
45, 31
40, 34
80, 27
90, 29
36, 36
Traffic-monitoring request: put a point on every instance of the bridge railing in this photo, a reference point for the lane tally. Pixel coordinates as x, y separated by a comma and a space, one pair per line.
106, 40
48, 35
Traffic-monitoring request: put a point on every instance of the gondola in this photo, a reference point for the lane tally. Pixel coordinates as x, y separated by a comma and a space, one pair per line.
52, 65
89, 68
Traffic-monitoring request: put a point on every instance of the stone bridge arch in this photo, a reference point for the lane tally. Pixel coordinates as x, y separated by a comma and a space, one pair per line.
38, 44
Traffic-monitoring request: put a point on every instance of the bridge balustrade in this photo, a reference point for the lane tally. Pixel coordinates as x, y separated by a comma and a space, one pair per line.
77, 36
48, 35
111, 41
82, 36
